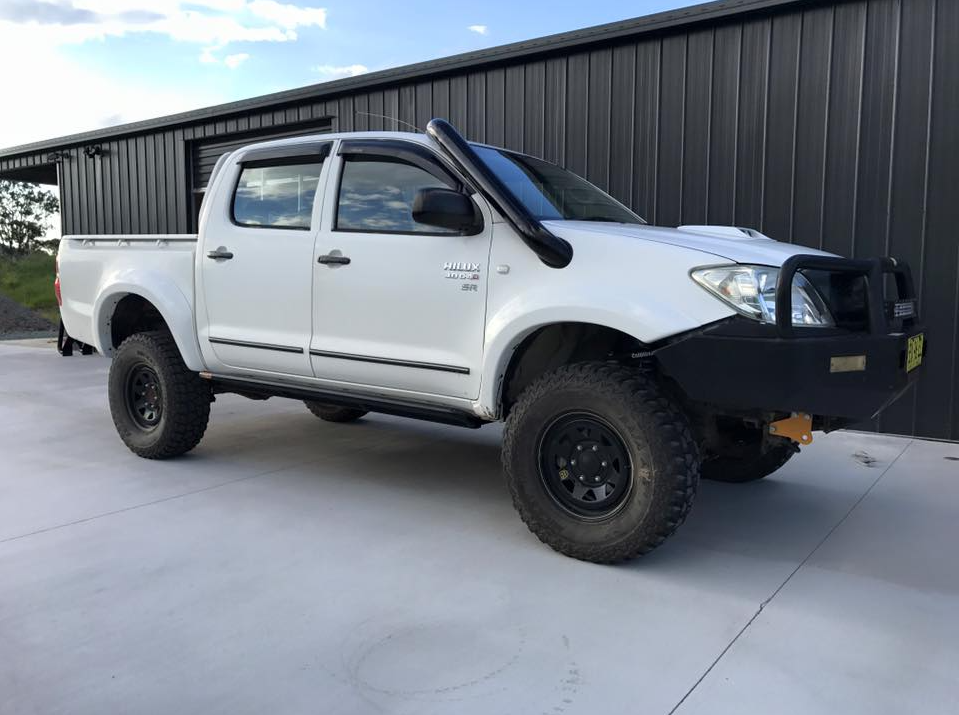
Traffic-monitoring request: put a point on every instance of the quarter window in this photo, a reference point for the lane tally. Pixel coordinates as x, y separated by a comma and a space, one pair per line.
376, 195
276, 196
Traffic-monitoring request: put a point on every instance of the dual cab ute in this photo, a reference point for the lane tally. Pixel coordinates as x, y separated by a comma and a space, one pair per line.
430, 277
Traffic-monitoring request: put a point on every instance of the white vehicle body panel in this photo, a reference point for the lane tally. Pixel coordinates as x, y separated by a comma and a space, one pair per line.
635, 287
394, 301
258, 296
401, 300
734, 248
96, 272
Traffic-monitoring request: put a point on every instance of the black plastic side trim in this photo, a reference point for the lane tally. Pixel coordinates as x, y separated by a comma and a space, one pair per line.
258, 346
552, 250
381, 404
392, 361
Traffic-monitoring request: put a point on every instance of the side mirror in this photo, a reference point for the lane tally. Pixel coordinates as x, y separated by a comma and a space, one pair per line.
446, 208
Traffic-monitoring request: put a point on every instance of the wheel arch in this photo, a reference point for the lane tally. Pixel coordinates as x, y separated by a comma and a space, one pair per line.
548, 346
124, 307
610, 306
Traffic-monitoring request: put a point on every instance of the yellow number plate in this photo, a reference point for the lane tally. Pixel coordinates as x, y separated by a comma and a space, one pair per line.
914, 351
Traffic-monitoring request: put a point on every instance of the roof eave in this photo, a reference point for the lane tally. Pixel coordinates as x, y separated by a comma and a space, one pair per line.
706, 12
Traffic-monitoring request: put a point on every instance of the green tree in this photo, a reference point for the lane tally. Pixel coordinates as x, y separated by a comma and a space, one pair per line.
25, 211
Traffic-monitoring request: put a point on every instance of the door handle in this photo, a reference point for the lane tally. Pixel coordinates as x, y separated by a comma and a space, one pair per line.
332, 259
220, 254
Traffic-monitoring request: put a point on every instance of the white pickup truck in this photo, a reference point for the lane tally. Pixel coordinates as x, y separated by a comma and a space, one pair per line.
430, 277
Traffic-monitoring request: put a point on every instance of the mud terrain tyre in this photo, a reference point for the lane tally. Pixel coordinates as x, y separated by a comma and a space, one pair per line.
601, 465
160, 407
332, 413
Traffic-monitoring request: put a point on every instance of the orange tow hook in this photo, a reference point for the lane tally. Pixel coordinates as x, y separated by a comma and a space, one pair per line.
798, 428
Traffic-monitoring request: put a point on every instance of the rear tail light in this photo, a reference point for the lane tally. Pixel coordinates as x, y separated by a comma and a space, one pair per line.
56, 284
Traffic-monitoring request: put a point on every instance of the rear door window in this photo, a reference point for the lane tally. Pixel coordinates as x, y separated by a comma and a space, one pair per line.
277, 196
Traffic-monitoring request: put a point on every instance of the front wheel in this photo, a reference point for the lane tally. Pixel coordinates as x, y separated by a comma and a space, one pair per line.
159, 406
601, 465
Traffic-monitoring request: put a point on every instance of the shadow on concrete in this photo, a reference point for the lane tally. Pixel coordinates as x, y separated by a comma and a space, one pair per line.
781, 518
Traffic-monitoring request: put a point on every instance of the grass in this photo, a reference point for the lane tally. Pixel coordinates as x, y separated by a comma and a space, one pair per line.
29, 281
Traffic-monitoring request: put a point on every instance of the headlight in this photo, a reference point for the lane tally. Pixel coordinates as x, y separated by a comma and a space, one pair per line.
751, 290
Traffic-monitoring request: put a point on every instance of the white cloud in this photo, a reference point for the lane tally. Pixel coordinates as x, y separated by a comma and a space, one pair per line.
54, 81
206, 22
42, 32
289, 16
345, 71
479, 29
234, 61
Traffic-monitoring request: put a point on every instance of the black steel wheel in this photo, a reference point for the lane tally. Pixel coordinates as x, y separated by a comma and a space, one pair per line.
600, 463
585, 465
144, 396
160, 407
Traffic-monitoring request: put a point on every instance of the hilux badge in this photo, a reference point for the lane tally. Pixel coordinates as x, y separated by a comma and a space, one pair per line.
462, 270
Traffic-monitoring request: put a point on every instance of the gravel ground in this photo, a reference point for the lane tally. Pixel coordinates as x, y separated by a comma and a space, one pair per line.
17, 321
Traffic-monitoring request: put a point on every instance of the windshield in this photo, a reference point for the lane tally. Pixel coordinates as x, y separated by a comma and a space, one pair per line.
551, 193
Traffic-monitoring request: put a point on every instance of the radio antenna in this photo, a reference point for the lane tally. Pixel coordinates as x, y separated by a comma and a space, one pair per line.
391, 119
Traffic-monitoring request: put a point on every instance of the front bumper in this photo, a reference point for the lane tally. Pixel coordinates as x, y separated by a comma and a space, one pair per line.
721, 366
742, 365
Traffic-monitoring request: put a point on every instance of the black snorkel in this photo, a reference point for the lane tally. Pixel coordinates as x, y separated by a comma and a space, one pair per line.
552, 250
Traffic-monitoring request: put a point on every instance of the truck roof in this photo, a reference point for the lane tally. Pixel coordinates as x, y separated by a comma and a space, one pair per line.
418, 137
328, 136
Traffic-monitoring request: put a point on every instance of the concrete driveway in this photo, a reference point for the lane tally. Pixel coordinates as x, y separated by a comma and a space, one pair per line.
293, 566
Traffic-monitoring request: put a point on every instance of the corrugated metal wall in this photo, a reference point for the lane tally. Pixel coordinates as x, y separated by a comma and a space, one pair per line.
831, 125
144, 183
828, 124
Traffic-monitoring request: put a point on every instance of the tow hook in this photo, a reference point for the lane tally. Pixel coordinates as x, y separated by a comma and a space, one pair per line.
797, 428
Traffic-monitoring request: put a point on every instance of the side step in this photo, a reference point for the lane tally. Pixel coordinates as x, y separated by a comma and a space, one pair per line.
259, 389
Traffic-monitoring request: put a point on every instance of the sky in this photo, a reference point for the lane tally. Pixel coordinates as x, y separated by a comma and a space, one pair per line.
74, 65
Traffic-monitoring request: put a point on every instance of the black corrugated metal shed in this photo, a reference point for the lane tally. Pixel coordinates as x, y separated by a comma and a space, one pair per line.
829, 123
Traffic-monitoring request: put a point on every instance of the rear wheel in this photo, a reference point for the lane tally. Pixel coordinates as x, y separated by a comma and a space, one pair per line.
332, 413
747, 460
159, 406
600, 464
